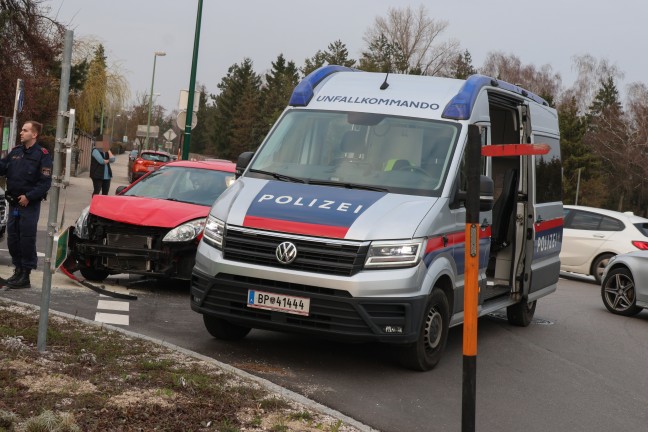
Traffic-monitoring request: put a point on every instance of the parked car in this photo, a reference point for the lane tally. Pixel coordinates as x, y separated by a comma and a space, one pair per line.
148, 160
151, 227
591, 236
625, 283
131, 159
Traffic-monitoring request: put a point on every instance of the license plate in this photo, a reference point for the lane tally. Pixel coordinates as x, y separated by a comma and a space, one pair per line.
150, 168
278, 302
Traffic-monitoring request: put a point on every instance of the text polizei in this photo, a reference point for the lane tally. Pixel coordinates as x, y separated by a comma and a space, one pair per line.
314, 203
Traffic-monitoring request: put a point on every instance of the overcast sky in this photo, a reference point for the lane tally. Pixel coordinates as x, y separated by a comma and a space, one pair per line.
538, 32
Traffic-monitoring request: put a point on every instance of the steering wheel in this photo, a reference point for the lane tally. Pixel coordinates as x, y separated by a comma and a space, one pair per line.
415, 169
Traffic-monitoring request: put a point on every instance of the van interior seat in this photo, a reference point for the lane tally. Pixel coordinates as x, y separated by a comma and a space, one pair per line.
352, 145
503, 211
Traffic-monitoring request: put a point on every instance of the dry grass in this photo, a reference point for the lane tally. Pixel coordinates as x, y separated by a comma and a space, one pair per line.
95, 379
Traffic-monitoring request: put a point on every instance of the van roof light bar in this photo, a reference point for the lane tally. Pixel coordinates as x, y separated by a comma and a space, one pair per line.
460, 107
304, 91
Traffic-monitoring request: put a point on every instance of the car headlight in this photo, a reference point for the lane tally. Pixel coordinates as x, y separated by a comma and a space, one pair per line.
214, 232
399, 253
81, 224
185, 232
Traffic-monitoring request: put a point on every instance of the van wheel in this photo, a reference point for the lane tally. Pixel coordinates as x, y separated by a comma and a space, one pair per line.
94, 275
224, 330
428, 349
598, 266
521, 314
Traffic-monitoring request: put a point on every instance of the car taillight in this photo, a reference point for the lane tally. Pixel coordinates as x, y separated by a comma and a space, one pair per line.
642, 245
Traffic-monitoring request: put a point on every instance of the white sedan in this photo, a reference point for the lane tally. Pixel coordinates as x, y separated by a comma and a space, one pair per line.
625, 283
591, 236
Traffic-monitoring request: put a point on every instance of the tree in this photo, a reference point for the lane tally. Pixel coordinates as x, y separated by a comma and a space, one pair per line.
336, 54
240, 84
30, 49
462, 67
279, 85
541, 81
414, 39
104, 91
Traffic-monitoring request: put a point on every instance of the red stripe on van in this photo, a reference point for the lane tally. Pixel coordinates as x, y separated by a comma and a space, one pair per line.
550, 224
436, 243
295, 227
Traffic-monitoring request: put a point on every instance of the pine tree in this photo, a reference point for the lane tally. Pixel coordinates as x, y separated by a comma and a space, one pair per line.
279, 85
462, 66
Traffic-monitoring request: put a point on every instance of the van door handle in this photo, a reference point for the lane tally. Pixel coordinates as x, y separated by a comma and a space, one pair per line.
539, 220
598, 236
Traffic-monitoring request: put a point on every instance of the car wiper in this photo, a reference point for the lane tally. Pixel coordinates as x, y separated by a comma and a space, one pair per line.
278, 176
347, 185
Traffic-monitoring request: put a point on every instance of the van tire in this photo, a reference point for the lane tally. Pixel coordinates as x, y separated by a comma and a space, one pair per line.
521, 314
433, 335
224, 330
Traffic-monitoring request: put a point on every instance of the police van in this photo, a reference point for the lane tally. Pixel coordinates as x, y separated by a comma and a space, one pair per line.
348, 222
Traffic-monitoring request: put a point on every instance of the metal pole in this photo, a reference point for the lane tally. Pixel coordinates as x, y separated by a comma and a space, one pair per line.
12, 131
192, 86
112, 129
471, 280
577, 186
57, 180
148, 122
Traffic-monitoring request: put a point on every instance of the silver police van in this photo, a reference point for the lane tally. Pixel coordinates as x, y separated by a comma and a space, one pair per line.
349, 220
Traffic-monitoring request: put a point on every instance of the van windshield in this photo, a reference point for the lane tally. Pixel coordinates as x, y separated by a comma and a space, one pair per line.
359, 150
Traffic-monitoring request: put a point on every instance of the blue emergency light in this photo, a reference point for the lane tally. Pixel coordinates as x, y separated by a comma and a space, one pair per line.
304, 91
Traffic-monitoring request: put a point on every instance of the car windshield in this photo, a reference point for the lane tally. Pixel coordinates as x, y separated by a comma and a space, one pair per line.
359, 150
191, 185
156, 157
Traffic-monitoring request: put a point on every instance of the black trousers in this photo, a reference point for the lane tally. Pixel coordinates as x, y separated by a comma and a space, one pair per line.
100, 185
21, 235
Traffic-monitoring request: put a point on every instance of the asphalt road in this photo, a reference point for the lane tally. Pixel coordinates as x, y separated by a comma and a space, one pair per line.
576, 368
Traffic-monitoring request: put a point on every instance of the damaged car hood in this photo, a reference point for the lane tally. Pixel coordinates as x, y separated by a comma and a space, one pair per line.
146, 211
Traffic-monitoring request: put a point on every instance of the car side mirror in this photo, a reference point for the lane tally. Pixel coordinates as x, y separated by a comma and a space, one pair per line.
243, 162
486, 187
119, 190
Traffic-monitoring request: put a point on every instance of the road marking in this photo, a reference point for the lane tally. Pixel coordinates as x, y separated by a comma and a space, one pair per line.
113, 305
109, 318
38, 254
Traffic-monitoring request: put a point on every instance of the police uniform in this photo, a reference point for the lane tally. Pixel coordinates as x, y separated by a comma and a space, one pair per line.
29, 173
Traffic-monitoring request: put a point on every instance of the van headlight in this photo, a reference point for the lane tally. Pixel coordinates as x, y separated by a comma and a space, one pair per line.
389, 254
81, 224
214, 232
185, 232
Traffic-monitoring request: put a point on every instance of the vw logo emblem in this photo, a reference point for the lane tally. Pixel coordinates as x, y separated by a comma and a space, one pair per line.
286, 252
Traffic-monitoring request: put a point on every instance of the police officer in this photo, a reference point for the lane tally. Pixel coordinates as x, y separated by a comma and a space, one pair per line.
28, 168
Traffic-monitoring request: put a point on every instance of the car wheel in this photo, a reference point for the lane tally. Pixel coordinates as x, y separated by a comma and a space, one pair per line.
618, 292
599, 264
428, 349
521, 314
223, 329
94, 275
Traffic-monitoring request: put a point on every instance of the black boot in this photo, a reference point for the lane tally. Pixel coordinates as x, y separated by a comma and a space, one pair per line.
16, 274
22, 281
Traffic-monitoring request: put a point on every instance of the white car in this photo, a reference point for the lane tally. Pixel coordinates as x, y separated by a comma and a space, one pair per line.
591, 236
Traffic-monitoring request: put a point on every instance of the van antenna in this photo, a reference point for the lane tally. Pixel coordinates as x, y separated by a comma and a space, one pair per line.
385, 84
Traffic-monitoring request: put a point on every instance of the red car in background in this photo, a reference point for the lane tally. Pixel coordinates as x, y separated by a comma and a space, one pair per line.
148, 160
151, 227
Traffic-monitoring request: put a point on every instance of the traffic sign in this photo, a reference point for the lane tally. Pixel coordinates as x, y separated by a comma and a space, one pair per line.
169, 135
182, 120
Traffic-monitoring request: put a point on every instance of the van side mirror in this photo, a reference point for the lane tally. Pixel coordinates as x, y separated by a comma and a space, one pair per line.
242, 163
486, 187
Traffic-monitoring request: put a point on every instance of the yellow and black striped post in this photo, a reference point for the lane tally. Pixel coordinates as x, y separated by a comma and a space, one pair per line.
471, 280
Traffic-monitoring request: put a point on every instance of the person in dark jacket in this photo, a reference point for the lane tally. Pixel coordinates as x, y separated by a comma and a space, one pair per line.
100, 170
28, 168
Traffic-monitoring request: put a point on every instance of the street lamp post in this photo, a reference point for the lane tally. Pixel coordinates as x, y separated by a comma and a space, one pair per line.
148, 123
112, 128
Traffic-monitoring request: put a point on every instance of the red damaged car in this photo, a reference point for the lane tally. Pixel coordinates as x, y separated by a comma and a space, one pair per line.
151, 227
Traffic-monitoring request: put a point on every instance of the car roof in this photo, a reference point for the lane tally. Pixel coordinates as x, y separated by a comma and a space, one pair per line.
218, 165
632, 218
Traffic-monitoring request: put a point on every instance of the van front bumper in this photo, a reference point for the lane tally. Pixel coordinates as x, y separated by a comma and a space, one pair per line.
334, 313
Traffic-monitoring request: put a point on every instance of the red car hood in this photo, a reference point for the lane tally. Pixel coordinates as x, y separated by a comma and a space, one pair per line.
145, 211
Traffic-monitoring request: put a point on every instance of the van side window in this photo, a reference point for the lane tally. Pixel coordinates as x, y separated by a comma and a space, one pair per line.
548, 171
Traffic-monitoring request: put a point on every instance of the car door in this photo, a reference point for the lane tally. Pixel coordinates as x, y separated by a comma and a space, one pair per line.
583, 238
